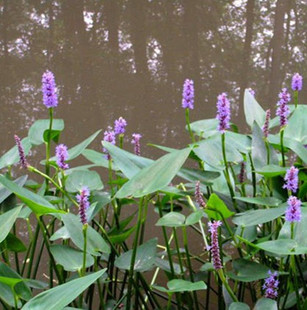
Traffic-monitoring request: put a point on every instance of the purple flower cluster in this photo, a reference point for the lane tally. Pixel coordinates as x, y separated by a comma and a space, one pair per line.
293, 212
223, 112
283, 110
297, 82
120, 126
82, 199
251, 91
50, 97
188, 94
215, 250
109, 136
136, 141
291, 179
198, 195
266, 126
22, 157
61, 155
271, 285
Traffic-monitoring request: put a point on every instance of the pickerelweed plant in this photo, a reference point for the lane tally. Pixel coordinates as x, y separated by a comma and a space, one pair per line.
231, 222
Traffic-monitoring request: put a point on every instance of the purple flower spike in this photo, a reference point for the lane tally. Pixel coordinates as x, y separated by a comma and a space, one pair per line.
266, 126
82, 199
251, 91
61, 154
215, 250
136, 141
109, 136
291, 179
198, 195
120, 126
297, 82
271, 285
188, 94
283, 110
50, 97
242, 172
22, 157
223, 112
293, 212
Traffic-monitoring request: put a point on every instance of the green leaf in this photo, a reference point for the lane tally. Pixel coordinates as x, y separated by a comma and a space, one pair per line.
171, 219
54, 135
78, 149
164, 265
179, 285
282, 247
193, 175
121, 236
239, 306
252, 110
95, 243
210, 151
156, 176
36, 203
4, 192
205, 128
262, 201
71, 259
248, 271
297, 125
61, 233
271, 170
36, 131
12, 278
80, 178
97, 158
12, 156
217, 204
62, 295
266, 303
194, 217
130, 164
14, 244
145, 257
7, 221
255, 217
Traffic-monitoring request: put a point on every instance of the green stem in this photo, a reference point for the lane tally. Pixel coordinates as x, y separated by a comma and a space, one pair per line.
282, 146
187, 119
135, 245
295, 97
121, 140
33, 248
253, 175
48, 146
227, 175
225, 283
84, 229
185, 243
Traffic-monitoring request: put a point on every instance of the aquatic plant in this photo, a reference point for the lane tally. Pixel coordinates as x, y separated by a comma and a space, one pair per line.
229, 230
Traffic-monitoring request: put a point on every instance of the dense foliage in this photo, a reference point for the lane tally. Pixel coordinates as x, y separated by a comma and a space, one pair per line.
230, 223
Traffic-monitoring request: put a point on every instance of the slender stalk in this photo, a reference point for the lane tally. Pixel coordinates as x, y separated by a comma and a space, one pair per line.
33, 248
84, 230
121, 140
295, 97
135, 245
187, 119
253, 175
227, 175
48, 146
225, 283
185, 243
282, 146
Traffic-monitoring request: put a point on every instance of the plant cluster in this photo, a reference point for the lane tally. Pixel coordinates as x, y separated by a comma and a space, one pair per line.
243, 205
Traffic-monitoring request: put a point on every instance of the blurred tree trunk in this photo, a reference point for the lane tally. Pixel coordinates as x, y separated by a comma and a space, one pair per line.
245, 71
278, 41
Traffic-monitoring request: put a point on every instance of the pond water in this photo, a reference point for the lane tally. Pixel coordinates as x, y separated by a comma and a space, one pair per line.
130, 57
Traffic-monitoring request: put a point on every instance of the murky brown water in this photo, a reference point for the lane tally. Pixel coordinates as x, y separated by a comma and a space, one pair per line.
130, 58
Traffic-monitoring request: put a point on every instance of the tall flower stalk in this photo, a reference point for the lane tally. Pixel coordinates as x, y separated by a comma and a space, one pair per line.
296, 85
283, 112
188, 103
